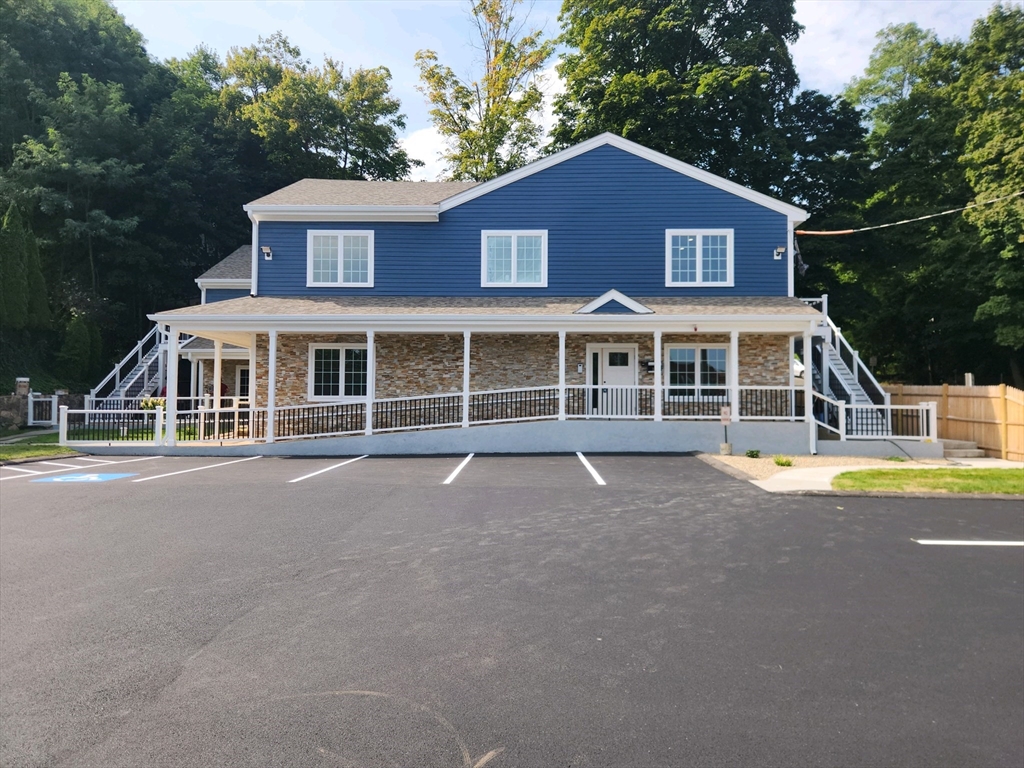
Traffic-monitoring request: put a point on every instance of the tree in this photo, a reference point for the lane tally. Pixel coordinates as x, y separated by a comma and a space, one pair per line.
991, 93
38, 303
13, 271
489, 124
701, 81
76, 353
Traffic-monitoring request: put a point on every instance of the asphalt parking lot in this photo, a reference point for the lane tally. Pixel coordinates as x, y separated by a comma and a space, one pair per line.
534, 611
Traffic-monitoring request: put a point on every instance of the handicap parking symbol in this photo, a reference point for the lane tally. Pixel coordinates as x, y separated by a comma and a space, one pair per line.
89, 478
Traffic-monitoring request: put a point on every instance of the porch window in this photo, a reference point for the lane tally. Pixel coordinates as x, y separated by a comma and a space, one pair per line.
339, 258
698, 257
337, 371
697, 372
514, 258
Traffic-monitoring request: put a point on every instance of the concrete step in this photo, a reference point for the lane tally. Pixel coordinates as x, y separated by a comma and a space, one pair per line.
955, 444
963, 453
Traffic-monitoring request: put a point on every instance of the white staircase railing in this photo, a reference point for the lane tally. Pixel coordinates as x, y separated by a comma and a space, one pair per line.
132, 362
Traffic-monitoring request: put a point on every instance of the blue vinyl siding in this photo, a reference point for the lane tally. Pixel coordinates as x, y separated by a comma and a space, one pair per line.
605, 211
613, 308
222, 294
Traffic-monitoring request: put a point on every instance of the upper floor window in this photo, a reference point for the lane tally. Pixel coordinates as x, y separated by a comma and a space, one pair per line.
339, 258
698, 257
514, 258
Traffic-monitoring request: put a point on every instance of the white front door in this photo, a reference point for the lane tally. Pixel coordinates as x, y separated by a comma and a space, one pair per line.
613, 371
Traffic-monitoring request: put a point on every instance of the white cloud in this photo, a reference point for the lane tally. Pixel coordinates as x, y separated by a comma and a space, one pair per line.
427, 145
840, 34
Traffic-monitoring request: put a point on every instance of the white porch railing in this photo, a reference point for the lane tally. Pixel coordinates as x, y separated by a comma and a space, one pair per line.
42, 410
235, 421
876, 422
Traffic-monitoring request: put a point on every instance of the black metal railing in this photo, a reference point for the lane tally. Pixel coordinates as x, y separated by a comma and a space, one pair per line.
767, 403
681, 402
326, 419
111, 426
514, 405
441, 410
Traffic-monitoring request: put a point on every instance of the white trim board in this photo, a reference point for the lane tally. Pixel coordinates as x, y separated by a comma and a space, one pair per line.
614, 295
794, 214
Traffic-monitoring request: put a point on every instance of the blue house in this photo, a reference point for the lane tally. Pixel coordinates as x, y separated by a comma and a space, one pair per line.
606, 294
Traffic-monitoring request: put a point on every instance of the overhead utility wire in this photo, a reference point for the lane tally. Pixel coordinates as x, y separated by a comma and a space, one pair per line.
905, 221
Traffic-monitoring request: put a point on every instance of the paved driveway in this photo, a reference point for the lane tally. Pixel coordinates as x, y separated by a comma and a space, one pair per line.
201, 612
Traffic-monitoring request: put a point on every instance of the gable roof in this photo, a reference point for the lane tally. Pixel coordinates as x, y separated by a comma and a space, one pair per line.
237, 265
352, 192
610, 301
793, 213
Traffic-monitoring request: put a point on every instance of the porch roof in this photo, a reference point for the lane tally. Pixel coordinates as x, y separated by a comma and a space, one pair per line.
321, 307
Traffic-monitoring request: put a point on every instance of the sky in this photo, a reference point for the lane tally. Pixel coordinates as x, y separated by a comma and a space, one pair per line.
834, 47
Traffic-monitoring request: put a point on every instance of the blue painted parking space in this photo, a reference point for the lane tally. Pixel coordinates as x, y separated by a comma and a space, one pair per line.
92, 477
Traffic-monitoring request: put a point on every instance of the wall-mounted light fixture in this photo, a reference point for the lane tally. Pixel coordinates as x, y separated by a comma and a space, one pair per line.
267, 253
779, 251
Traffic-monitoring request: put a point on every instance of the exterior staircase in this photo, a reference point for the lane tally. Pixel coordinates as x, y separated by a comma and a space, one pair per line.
961, 449
139, 374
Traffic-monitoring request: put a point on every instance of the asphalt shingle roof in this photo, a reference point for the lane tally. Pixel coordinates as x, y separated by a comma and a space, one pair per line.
236, 266
271, 306
347, 192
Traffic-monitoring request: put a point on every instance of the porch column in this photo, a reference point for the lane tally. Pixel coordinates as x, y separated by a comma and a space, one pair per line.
172, 387
271, 384
792, 383
465, 377
809, 395
658, 379
371, 375
218, 354
734, 367
561, 375
193, 385
252, 385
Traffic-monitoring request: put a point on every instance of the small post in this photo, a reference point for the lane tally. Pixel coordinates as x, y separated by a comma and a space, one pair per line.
202, 422
842, 420
158, 426
856, 366
945, 409
824, 305
1004, 438
933, 420
54, 405
62, 429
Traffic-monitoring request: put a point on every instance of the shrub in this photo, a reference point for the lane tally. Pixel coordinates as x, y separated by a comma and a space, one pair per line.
894, 458
752, 454
151, 403
783, 461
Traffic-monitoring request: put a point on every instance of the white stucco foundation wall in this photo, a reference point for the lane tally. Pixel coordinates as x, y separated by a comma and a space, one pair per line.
591, 436
880, 448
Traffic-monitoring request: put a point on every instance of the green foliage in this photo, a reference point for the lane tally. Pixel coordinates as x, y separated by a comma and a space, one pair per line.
782, 461
13, 271
76, 353
753, 454
490, 124
703, 82
38, 303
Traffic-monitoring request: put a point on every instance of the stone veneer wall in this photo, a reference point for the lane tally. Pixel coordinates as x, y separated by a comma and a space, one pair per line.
425, 364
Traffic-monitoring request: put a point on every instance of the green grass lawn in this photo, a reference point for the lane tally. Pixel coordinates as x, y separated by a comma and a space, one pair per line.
940, 480
28, 450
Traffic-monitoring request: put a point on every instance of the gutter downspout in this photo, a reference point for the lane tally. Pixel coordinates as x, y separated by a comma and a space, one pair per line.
253, 289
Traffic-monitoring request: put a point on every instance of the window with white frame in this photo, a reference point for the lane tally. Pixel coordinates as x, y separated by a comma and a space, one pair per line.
339, 258
696, 372
337, 371
698, 257
511, 258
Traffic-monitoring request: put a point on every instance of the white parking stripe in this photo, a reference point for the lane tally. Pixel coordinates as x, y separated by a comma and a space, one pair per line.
458, 469
95, 461
195, 469
967, 543
590, 469
19, 469
54, 471
327, 469
59, 464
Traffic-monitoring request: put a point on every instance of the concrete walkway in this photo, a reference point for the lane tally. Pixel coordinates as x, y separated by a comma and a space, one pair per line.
820, 478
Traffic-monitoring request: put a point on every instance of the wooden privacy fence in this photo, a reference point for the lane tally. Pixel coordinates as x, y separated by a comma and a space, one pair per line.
992, 417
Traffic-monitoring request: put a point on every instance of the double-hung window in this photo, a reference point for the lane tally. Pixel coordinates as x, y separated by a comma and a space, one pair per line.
337, 371
696, 372
698, 257
339, 258
514, 258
